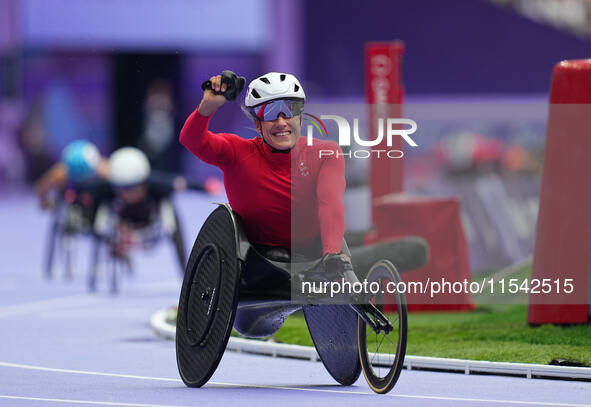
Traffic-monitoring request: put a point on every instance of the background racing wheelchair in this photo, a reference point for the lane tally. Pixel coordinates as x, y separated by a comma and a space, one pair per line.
73, 216
121, 203
69, 190
139, 214
119, 230
232, 283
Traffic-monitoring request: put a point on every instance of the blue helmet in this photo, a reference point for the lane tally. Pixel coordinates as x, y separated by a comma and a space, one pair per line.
81, 159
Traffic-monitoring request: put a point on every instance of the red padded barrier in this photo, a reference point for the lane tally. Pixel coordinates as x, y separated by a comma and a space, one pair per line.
562, 247
438, 221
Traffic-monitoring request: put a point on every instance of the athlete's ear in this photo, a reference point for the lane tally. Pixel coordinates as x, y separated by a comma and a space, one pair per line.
257, 124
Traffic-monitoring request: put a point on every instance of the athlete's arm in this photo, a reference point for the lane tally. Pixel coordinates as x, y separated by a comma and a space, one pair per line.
215, 149
54, 179
330, 190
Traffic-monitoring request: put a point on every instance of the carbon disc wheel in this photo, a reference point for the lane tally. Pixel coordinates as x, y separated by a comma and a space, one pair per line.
382, 354
208, 300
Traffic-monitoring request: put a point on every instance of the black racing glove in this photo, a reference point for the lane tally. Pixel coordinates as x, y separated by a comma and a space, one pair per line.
332, 267
337, 264
234, 83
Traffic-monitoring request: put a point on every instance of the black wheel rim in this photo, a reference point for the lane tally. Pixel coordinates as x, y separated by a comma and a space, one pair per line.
382, 355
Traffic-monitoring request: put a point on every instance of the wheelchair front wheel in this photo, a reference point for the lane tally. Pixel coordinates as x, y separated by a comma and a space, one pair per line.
382, 354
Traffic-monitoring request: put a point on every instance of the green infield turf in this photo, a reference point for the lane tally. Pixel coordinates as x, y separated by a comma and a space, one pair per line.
496, 331
493, 333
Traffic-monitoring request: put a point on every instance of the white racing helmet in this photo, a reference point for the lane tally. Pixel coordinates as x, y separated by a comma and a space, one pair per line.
271, 86
128, 166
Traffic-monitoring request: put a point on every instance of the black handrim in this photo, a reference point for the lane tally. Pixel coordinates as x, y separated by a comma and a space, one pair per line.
382, 356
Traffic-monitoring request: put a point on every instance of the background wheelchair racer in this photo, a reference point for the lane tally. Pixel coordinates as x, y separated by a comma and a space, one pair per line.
139, 210
69, 189
119, 200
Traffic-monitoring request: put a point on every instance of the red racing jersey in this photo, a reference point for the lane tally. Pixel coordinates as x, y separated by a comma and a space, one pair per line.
284, 199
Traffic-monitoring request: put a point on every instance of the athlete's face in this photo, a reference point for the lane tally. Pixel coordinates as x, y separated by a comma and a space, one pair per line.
282, 133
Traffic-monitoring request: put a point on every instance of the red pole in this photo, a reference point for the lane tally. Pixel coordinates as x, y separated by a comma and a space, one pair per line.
385, 93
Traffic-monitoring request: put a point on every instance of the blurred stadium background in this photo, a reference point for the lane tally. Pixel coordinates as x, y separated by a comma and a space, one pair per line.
130, 72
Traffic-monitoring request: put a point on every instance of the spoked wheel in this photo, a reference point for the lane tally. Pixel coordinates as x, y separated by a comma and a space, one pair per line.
382, 354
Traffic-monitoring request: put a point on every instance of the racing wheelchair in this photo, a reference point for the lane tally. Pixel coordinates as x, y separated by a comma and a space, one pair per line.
72, 216
118, 233
230, 282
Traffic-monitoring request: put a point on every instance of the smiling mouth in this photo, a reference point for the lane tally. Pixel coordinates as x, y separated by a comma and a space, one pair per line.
282, 134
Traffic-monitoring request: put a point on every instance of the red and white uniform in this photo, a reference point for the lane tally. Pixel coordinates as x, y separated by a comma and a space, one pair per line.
284, 199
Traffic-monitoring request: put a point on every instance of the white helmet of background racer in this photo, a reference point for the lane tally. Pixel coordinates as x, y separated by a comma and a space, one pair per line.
128, 166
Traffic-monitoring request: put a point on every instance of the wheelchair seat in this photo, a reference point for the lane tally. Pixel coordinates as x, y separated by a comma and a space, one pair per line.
273, 253
267, 274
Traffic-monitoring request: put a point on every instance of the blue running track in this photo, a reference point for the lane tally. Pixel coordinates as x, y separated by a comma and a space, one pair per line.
60, 346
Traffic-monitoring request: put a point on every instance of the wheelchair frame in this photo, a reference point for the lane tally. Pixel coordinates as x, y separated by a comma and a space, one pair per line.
106, 232
68, 220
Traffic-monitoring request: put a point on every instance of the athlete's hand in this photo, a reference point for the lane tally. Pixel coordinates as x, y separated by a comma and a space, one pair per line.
212, 101
337, 263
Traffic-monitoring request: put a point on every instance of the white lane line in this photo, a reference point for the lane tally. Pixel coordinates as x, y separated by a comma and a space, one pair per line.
86, 372
44, 305
472, 400
96, 313
96, 403
81, 299
408, 396
157, 286
273, 387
